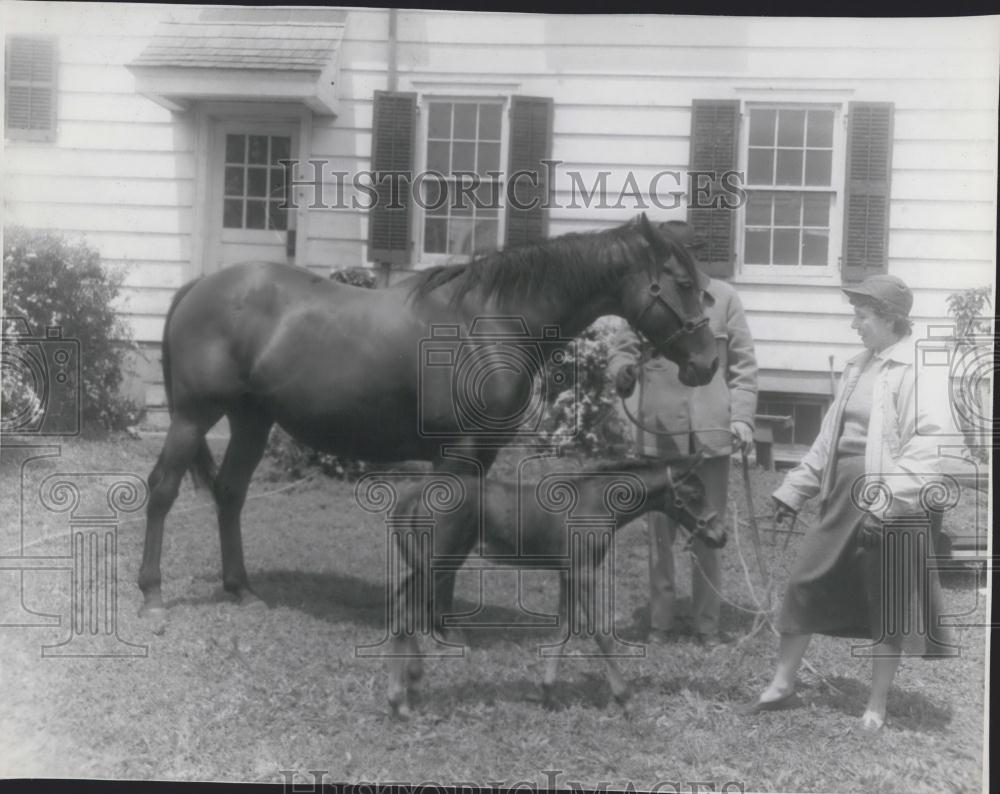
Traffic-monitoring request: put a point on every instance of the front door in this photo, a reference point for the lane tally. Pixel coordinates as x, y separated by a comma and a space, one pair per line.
248, 192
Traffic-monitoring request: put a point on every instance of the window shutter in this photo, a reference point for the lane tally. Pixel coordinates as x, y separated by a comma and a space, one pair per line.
866, 211
714, 138
530, 143
394, 122
30, 88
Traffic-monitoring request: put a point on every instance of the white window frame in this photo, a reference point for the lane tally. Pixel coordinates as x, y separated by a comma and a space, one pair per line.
808, 274
420, 161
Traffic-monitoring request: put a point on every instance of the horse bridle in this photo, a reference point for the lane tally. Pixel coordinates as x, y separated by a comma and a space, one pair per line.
688, 326
681, 506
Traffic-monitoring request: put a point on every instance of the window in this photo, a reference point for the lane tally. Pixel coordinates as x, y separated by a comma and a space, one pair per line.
461, 194
255, 189
793, 194
806, 411
30, 88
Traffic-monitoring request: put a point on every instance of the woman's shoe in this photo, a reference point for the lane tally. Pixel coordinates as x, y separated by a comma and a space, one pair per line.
789, 701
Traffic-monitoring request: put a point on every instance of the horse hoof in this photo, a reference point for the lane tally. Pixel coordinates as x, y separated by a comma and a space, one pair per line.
400, 711
155, 612
415, 671
250, 600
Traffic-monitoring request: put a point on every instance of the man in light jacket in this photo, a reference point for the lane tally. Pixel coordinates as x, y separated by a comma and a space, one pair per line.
662, 403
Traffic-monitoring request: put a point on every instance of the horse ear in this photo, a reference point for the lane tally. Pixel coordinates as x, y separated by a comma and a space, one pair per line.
652, 236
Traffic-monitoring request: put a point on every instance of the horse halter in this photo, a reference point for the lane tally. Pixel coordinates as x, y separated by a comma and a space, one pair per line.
688, 327
683, 508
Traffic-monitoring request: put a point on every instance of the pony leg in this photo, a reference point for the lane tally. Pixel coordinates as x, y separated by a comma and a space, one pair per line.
552, 662
249, 430
593, 607
179, 449
405, 665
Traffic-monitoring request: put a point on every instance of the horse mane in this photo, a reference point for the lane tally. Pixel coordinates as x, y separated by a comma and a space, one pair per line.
575, 265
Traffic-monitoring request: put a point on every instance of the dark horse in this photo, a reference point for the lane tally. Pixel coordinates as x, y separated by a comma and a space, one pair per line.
548, 525
343, 369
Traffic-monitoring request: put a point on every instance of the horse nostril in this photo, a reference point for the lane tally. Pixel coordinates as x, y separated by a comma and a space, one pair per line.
678, 503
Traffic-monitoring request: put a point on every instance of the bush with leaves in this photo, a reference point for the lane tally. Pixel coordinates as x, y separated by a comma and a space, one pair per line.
588, 404
974, 356
48, 281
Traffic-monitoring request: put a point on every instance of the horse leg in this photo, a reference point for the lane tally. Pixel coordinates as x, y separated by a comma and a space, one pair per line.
179, 449
552, 662
593, 606
249, 428
405, 665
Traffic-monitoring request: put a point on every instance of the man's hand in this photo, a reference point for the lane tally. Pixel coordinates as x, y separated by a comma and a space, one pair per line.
625, 380
742, 436
782, 512
870, 534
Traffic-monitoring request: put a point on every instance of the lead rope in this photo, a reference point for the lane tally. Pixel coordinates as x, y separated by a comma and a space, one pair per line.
764, 608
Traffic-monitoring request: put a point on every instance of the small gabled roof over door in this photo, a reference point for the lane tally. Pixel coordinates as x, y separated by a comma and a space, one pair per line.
247, 54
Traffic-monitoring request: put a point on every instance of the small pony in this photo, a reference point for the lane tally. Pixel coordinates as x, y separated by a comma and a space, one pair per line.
565, 522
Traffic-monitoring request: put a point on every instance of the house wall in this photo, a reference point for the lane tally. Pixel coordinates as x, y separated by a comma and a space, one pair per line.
121, 171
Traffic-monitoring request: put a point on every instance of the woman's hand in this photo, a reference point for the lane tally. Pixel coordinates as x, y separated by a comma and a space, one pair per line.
782, 512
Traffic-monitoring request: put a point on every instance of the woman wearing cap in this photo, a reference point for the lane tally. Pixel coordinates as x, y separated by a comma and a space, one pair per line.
852, 576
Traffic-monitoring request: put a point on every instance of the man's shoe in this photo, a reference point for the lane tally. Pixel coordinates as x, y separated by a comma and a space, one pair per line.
710, 641
661, 637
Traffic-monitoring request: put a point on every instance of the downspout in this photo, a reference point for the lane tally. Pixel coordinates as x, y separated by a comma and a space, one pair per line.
392, 84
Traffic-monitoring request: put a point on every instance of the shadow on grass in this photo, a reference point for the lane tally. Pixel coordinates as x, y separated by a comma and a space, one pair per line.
906, 709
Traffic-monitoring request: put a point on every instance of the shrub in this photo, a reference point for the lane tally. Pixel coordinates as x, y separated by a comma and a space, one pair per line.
589, 404
51, 281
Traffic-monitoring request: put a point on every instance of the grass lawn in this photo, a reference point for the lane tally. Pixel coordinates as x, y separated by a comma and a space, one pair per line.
231, 693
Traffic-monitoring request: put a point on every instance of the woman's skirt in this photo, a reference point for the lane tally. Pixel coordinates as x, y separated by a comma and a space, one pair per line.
888, 594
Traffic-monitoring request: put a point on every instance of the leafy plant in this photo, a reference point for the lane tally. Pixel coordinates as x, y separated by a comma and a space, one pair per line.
52, 281
967, 309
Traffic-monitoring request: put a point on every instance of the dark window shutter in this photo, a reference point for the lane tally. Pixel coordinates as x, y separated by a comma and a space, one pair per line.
394, 123
714, 135
530, 143
30, 89
866, 209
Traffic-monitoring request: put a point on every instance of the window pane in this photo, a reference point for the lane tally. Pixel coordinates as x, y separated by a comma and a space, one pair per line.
488, 197
435, 197
232, 214
489, 158
489, 122
816, 210
786, 246
255, 214
439, 120
815, 245
438, 153
762, 124
256, 181
465, 121
462, 201
281, 148
278, 183
819, 166
759, 209
463, 157
758, 248
787, 209
277, 218
234, 148
257, 152
234, 181
791, 127
789, 170
760, 168
435, 235
486, 235
819, 128
460, 237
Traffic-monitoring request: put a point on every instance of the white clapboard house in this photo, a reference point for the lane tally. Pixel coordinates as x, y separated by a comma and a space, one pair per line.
867, 146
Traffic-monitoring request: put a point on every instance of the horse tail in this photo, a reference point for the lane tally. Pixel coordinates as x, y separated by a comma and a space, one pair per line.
203, 465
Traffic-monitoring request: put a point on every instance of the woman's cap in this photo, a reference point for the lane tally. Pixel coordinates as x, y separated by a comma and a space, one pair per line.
889, 290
